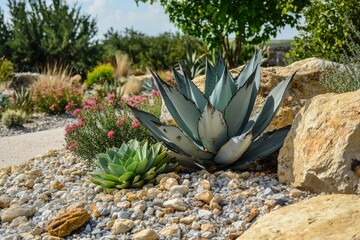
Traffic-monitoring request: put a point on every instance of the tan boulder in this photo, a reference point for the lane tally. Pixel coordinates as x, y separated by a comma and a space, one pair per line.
330, 217
64, 224
322, 150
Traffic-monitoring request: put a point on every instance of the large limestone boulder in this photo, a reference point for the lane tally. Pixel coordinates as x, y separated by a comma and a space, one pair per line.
322, 150
304, 86
330, 217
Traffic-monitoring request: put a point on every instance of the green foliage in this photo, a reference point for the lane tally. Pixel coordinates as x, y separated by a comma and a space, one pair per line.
22, 99
345, 77
5, 36
4, 102
215, 21
11, 118
100, 74
193, 65
130, 166
53, 99
6, 70
215, 130
160, 52
326, 31
102, 124
43, 32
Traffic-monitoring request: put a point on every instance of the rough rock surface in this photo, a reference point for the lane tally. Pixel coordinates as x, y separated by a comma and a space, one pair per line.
64, 224
322, 152
304, 86
330, 217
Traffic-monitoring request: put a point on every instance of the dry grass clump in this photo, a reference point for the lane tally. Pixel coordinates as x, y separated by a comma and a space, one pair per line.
122, 65
54, 76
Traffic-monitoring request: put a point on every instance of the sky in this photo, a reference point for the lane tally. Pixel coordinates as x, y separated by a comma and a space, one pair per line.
146, 18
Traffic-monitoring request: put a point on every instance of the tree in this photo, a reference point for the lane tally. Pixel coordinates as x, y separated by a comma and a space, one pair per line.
327, 29
217, 21
5, 36
50, 33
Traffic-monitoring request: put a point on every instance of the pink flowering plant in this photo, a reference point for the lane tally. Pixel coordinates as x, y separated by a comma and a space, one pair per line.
53, 99
107, 123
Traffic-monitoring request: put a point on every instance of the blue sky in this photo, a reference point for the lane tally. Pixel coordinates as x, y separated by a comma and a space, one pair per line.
146, 18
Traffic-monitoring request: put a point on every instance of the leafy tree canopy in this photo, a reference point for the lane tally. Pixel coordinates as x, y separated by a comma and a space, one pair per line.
327, 29
217, 21
42, 33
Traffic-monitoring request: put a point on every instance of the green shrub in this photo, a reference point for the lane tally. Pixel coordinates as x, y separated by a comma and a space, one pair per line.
100, 74
22, 100
53, 99
345, 77
108, 123
6, 70
11, 118
4, 102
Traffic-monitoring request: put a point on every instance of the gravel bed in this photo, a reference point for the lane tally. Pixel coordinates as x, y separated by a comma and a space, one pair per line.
198, 205
38, 122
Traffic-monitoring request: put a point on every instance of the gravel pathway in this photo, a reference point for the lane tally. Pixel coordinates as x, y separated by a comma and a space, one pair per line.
195, 205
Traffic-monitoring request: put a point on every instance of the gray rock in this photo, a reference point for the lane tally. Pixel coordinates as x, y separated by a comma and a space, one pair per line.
13, 212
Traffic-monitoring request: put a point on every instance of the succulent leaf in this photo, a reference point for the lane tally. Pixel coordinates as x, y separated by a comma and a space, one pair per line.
117, 169
212, 129
213, 75
233, 149
271, 106
185, 112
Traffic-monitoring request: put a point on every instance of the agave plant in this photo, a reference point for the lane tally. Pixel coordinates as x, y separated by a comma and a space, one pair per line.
132, 165
215, 128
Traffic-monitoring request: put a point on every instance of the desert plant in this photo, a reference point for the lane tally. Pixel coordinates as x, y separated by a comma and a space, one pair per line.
11, 118
6, 70
122, 65
100, 74
4, 102
192, 65
22, 99
215, 130
345, 77
55, 75
130, 166
107, 123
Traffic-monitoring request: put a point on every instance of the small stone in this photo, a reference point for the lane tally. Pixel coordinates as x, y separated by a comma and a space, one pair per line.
188, 220
205, 214
208, 227
207, 234
234, 184
56, 185
13, 212
176, 203
205, 196
204, 184
94, 211
172, 231
254, 212
270, 203
196, 226
357, 172
216, 212
29, 184
268, 191
170, 182
110, 224
18, 221
122, 226
37, 231
245, 175
153, 193
12, 237
4, 201
295, 193
64, 224
147, 234
234, 235
179, 189
239, 225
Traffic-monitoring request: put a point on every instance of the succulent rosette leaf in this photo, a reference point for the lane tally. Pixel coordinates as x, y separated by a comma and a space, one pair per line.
215, 128
130, 166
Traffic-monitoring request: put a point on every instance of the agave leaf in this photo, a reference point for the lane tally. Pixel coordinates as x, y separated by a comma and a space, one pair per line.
141, 167
176, 136
126, 177
104, 183
111, 177
117, 169
131, 165
149, 175
136, 179
213, 75
151, 123
123, 149
183, 110
249, 68
223, 92
212, 129
103, 161
123, 185
236, 112
159, 159
138, 184
181, 84
96, 180
143, 152
271, 106
233, 149
262, 147
161, 169
112, 152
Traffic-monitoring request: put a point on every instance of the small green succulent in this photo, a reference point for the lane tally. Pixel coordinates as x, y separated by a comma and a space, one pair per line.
215, 128
131, 165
